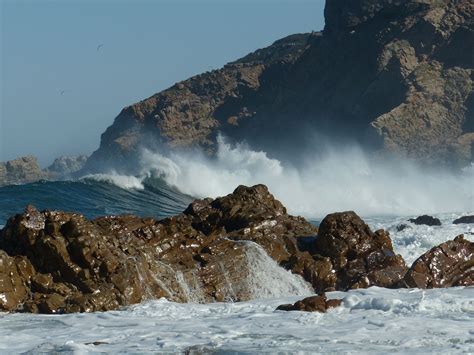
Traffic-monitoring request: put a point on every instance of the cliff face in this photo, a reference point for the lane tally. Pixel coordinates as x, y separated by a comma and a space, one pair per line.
393, 75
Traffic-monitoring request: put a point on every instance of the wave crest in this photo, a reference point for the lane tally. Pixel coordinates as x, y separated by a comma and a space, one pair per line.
342, 179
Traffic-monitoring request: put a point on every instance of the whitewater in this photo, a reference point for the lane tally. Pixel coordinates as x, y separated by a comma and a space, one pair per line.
371, 320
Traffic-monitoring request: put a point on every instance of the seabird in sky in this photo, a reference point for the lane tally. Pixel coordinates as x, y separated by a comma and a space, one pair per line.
99, 46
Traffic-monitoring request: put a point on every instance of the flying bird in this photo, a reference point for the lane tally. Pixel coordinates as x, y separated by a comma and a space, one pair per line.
63, 92
99, 46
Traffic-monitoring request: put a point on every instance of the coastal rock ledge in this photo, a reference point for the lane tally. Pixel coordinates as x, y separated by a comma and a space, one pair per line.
59, 262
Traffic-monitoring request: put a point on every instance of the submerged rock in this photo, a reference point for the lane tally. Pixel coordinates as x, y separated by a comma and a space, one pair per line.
317, 303
446, 265
464, 219
426, 220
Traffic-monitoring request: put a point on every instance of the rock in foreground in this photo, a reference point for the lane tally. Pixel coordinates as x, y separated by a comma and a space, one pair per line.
57, 262
311, 304
446, 265
358, 257
231, 248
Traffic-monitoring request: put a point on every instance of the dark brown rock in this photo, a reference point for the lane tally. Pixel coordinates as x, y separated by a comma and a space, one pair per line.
426, 220
58, 262
311, 304
446, 265
464, 219
203, 255
360, 258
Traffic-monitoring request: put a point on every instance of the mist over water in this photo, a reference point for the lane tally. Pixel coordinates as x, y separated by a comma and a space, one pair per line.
341, 179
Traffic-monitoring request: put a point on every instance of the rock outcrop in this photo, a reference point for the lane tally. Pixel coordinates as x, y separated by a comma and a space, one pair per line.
26, 170
318, 303
394, 75
20, 171
66, 166
55, 261
359, 258
446, 265
426, 220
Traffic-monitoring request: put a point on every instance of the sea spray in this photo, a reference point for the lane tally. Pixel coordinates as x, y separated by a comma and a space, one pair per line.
342, 179
267, 279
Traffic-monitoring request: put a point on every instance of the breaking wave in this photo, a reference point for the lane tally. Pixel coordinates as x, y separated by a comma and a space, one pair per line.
344, 179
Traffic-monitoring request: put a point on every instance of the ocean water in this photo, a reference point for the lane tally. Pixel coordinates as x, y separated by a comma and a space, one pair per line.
372, 320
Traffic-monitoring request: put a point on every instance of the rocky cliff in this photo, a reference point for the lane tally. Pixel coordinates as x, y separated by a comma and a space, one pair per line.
20, 171
26, 169
392, 75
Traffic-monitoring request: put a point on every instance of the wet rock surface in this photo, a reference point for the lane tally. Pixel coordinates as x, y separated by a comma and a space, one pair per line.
317, 303
446, 265
358, 257
216, 250
205, 254
426, 220
464, 219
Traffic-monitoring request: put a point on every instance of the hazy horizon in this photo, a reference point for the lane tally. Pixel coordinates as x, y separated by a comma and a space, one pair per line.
60, 91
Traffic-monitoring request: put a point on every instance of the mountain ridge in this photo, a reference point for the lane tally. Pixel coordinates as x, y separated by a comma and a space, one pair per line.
393, 76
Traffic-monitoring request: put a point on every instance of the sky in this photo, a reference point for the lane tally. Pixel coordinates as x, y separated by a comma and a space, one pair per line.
59, 92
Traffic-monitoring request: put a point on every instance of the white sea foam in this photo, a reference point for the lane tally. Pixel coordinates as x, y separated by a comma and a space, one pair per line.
372, 320
341, 180
122, 181
267, 279
414, 240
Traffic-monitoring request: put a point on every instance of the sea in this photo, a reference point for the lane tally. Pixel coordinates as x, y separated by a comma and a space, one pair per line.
373, 320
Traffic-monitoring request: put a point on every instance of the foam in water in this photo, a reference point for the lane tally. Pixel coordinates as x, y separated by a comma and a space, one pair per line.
267, 279
341, 180
122, 181
371, 320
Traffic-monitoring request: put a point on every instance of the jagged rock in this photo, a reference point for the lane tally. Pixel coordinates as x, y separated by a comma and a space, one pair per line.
394, 75
426, 220
446, 265
65, 166
27, 170
311, 304
20, 171
464, 219
207, 253
202, 255
359, 258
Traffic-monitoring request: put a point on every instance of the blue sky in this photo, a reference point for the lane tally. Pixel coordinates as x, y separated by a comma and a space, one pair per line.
50, 46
